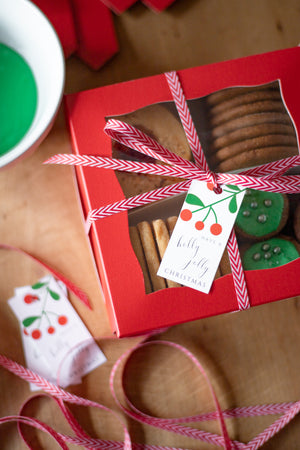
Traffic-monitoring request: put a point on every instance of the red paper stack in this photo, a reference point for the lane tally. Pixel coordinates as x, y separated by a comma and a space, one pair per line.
86, 28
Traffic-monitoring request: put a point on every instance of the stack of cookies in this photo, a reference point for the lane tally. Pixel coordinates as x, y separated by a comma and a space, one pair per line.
149, 241
248, 126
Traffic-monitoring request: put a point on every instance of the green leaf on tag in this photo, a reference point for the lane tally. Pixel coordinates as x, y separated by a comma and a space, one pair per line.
194, 200
233, 187
233, 205
53, 294
29, 320
38, 285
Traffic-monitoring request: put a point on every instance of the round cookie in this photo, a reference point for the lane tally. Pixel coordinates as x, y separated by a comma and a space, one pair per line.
163, 126
252, 132
271, 253
160, 124
250, 120
249, 108
262, 214
249, 127
256, 157
243, 99
251, 144
228, 93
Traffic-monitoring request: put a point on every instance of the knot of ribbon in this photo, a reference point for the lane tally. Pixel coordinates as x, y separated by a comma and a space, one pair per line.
269, 177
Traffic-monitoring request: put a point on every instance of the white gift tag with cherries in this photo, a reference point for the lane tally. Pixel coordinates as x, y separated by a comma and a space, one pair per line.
56, 343
200, 235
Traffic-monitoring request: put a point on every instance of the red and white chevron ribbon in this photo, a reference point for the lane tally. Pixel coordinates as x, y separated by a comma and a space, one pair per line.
269, 177
287, 411
71, 286
237, 273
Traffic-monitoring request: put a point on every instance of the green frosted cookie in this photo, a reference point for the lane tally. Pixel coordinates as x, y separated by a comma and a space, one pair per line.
274, 252
262, 214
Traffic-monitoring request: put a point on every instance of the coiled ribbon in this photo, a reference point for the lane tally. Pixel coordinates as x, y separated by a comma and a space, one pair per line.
62, 397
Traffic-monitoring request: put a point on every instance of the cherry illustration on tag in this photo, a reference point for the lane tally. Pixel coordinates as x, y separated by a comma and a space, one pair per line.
201, 233
56, 343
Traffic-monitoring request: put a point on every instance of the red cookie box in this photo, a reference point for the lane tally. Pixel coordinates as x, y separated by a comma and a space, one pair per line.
130, 310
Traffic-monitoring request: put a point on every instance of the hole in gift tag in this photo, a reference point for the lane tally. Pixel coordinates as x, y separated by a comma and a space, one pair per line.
218, 189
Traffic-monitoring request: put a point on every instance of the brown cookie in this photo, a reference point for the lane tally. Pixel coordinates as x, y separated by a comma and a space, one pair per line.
256, 157
149, 242
224, 266
151, 255
244, 99
138, 250
229, 93
171, 222
218, 274
251, 144
274, 252
252, 132
296, 222
250, 120
158, 122
243, 110
162, 237
262, 215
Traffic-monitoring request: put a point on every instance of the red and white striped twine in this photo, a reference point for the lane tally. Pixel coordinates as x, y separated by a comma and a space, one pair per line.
287, 410
71, 286
268, 177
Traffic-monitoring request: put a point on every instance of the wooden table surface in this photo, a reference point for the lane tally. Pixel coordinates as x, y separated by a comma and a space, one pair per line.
251, 357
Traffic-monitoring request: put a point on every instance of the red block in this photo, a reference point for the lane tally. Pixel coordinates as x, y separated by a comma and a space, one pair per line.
59, 12
158, 5
97, 41
118, 6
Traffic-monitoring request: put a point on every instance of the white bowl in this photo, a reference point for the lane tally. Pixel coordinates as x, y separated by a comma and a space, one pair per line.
25, 29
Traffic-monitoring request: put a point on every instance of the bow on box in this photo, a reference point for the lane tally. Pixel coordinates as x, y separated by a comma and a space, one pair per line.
268, 177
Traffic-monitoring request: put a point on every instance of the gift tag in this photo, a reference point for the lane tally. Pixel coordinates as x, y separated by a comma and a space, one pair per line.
201, 234
56, 343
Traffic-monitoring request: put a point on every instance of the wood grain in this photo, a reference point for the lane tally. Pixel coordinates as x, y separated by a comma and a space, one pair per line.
252, 357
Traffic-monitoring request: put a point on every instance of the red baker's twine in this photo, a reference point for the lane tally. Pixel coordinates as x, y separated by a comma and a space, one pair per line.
288, 411
188, 126
238, 277
60, 396
71, 286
